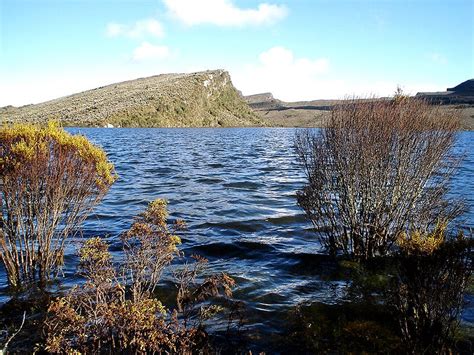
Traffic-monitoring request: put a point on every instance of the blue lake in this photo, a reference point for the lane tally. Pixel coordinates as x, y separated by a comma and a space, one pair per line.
236, 190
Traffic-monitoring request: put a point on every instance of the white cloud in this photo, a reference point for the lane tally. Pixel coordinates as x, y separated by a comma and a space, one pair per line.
282, 59
223, 13
148, 51
294, 79
140, 29
287, 77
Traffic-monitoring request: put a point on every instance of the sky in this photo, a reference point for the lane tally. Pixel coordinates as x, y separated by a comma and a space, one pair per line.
295, 49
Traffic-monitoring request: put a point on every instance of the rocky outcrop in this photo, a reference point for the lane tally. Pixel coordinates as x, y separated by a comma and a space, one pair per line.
203, 99
460, 94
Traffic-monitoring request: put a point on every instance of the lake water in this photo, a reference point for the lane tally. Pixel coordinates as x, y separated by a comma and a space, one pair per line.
236, 190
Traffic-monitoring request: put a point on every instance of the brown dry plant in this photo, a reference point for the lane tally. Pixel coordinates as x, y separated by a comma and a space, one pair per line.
50, 181
150, 245
428, 287
376, 169
191, 293
116, 309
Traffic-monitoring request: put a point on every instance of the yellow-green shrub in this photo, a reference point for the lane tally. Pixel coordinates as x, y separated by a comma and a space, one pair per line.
50, 181
420, 243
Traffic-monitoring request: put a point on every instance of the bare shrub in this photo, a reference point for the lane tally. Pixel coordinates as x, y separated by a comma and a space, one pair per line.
427, 292
377, 168
149, 246
50, 180
116, 310
191, 294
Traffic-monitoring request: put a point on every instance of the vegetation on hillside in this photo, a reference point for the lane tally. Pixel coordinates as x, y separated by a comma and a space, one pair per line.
314, 113
203, 99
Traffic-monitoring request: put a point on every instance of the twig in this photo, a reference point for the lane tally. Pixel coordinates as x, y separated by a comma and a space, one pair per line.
14, 334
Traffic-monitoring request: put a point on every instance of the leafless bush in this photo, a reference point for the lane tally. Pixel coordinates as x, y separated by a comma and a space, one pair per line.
191, 294
379, 167
49, 182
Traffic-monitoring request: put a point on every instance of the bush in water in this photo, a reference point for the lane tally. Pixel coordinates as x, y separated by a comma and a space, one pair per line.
50, 181
378, 168
427, 292
116, 309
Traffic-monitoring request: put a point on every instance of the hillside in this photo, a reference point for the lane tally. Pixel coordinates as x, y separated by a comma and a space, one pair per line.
203, 99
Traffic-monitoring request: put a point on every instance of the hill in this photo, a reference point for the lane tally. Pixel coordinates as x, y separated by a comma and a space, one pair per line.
290, 114
203, 99
276, 112
462, 94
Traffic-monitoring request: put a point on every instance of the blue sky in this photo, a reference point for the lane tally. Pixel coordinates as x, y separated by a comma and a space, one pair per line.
296, 49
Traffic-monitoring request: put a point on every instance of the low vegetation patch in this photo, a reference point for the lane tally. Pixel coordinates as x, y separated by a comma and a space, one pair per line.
116, 309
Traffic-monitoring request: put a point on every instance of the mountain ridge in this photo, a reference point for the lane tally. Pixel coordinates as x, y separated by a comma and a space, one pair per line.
200, 99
